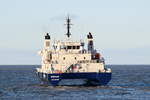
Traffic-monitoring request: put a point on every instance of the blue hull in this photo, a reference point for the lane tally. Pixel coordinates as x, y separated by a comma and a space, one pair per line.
91, 78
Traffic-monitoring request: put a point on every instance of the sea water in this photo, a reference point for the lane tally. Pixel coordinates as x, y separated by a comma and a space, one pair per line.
129, 82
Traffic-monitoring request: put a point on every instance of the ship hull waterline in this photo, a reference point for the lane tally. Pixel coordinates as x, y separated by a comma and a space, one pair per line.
90, 78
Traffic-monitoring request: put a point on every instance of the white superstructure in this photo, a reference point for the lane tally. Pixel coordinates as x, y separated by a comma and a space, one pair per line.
70, 56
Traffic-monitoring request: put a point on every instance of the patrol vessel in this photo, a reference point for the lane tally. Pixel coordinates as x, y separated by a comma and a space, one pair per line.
68, 62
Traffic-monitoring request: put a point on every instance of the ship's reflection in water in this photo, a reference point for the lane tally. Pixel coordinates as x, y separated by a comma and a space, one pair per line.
128, 82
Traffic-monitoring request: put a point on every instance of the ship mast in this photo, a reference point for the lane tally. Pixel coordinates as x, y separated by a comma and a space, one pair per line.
68, 20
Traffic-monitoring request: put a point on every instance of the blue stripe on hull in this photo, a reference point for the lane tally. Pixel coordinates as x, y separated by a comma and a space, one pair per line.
93, 78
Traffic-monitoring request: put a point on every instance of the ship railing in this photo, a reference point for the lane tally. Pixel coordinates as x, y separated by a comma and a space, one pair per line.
108, 70
84, 52
90, 61
72, 51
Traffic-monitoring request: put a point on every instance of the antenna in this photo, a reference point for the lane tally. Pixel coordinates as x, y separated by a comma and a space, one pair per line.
68, 20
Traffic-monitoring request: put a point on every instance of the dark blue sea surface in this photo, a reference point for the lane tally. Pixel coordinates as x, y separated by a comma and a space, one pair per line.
129, 82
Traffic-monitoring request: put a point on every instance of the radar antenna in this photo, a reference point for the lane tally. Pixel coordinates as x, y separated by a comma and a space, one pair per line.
68, 20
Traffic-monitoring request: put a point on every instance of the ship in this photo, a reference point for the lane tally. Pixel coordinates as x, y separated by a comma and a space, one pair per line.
69, 62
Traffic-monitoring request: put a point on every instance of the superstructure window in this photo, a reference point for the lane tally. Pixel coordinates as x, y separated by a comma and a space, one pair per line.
75, 58
74, 47
64, 58
68, 47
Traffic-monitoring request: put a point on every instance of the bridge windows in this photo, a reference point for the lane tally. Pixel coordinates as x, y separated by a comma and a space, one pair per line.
78, 47
73, 47
69, 47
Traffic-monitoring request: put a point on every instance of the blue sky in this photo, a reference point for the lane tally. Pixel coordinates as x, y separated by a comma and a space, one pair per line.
121, 28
